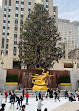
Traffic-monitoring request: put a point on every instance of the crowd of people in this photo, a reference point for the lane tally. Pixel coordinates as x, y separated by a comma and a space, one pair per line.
13, 98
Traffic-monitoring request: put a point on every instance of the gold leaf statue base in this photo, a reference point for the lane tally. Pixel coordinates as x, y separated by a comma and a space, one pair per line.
36, 88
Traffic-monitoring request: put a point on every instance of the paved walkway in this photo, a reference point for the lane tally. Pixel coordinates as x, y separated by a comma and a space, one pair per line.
69, 106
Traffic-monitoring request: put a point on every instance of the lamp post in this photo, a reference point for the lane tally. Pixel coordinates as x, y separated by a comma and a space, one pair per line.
2, 60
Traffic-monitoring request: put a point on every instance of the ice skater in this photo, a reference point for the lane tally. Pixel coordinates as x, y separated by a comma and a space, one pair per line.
21, 100
39, 104
12, 100
36, 96
6, 95
27, 97
3, 107
23, 108
18, 102
1, 99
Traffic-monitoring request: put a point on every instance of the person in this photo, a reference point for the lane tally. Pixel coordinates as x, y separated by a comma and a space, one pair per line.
66, 94
51, 93
23, 93
6, 95
3, 107
23, 108
45, 109
56, 95
39, 104
36, 96
12, 100
1, 98
39, 95
46, 94
21, 100
27, 96
48, 91
18, 102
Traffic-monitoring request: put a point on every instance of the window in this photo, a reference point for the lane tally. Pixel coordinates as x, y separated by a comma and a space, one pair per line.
15, 42
29, 9
22, 3
16, 8
22, 9
16, 21
2, 42
21, 22
14, 51
29, 3
9, 10
9, 2
3, 27
16, 28
7, 34
8, 15
15, 35
8, 28
4, 9
5, 2
4, 21
7, 46
8, 21
46, 6
17, 2
16, 15
3, 33
21, 16
7, 40
6, 52
4, 15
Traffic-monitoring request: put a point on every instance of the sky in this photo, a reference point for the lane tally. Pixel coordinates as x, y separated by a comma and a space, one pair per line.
67, 9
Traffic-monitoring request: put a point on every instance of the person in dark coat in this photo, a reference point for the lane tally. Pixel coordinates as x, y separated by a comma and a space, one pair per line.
51, 93
39, 95
23, 93
12, 100
3, 107
21, 100
23, 108
66, 94
18, 102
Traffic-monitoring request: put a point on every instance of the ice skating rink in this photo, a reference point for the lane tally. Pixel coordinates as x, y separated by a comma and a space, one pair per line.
50, 104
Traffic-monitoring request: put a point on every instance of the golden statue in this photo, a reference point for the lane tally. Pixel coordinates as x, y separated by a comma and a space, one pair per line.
40, 81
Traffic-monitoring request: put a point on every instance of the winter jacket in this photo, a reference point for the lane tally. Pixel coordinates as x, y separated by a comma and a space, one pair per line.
27, 95
39, 104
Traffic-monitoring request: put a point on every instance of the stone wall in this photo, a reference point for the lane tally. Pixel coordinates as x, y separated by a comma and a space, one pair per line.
2, 79
74, 75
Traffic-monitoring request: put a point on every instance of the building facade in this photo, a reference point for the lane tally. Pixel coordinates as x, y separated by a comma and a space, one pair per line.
69, 33
13, 15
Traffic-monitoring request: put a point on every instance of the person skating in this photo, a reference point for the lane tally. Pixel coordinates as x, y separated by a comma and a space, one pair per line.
27, 97
12, 100
6, 95
39, 95
36, 96
18, 102
66, 94
23, 93
21, 100
3, 107
51, 93
23, 108
39, 104
45, 109
1, 98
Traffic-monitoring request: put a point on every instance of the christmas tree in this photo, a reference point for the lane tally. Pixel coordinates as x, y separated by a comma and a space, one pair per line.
38, 43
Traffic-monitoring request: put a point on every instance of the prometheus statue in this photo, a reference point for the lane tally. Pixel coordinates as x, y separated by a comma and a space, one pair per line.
40, 81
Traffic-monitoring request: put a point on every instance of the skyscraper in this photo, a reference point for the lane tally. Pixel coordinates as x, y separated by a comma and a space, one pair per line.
14, 14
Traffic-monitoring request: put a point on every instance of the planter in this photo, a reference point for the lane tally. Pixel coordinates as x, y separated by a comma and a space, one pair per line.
65, 84
11, 83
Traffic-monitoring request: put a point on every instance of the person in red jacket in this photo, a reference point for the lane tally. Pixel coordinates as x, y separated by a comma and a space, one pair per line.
27, 96
6, 95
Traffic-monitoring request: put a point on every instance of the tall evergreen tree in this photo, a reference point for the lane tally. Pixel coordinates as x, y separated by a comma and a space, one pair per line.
37, 45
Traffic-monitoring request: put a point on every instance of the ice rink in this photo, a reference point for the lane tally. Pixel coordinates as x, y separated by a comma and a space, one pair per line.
50, 104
